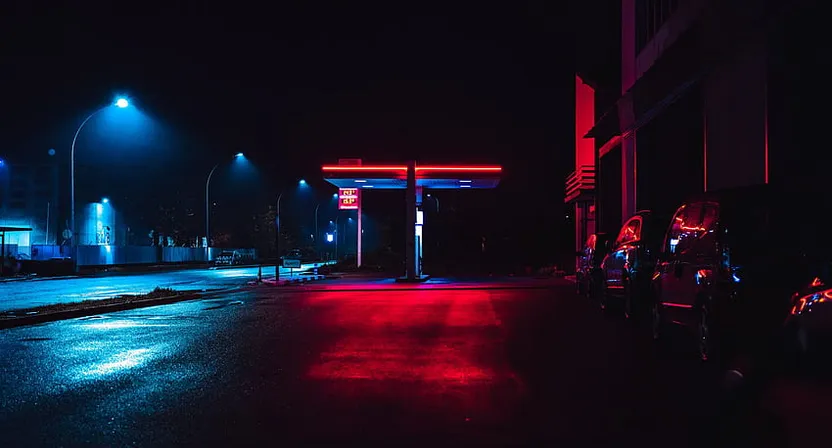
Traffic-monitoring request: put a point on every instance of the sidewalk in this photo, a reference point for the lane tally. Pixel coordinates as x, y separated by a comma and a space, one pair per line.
148, 269
24, 294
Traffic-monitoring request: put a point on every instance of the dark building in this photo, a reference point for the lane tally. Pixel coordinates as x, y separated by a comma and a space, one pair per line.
690, 96
29, 198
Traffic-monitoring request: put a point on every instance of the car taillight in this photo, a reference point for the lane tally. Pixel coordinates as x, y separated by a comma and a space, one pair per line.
804, 304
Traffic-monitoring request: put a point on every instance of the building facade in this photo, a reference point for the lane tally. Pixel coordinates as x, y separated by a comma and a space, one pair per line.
29, 198
712, 94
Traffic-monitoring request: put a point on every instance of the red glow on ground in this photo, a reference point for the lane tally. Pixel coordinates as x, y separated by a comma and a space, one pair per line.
398, 358
443, 338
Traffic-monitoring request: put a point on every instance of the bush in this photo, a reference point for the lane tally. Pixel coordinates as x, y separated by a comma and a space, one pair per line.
160, 292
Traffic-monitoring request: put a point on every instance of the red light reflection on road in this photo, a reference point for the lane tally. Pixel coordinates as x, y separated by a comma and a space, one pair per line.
447, 337
398, 359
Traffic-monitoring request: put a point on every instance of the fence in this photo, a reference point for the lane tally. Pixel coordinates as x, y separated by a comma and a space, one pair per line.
10, 250
44, 252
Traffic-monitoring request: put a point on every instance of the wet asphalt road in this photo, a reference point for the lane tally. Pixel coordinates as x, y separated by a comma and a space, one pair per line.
32, 293
393, 367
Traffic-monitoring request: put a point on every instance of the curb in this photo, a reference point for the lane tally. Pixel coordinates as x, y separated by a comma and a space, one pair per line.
39, 279
294, 280
72, 314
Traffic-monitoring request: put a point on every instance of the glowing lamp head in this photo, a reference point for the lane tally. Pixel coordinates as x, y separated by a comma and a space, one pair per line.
238, 155
105, 200
334, 195
302, 182
122, 103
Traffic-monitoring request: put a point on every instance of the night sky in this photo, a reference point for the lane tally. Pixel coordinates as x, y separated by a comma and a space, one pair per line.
295, 87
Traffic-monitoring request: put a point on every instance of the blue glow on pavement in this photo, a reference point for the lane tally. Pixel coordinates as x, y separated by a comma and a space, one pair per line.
120, 361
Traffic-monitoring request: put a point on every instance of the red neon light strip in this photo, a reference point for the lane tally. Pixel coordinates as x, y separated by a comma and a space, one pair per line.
490, 169
363, 168
677, 305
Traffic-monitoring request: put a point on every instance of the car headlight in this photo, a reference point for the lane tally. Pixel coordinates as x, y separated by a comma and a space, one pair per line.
804, 304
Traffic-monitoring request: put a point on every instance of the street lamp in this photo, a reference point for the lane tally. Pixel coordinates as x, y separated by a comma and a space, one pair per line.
121, 103
435, 199
208, 209
315, 239
318, 235
301, 183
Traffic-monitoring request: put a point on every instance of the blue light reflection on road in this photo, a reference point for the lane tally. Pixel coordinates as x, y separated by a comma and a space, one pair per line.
83, 356
121, 361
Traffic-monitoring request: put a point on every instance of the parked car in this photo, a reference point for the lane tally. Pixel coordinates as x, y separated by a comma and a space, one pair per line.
294, 254
628, 267
736, 265
588, 275
808, 327
228, 258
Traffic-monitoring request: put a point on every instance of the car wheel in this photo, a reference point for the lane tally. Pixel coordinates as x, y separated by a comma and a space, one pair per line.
628, 299
802, 341
704, 334
656, 320
596, 287
603, 296
581, 286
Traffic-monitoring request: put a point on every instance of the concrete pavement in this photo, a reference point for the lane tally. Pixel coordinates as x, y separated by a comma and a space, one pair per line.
33, 293
441, 367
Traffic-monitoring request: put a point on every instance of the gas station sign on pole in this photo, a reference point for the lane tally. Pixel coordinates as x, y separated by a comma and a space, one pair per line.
348, 199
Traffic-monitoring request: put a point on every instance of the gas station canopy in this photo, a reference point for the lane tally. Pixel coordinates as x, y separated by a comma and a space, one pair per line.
427, 176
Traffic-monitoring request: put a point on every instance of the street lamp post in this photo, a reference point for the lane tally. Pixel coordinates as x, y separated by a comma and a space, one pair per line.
121, 103
317, 235
277, 241
337, 236
208, 210
301, 183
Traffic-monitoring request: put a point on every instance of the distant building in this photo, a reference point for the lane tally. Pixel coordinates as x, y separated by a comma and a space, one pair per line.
29, 197
97, 226
677, 97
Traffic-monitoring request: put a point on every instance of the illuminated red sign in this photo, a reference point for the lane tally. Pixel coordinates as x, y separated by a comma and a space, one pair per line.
348, 199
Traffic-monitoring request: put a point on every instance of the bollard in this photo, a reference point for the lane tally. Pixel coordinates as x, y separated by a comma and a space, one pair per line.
259, 274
